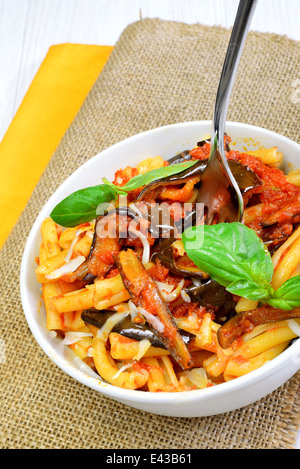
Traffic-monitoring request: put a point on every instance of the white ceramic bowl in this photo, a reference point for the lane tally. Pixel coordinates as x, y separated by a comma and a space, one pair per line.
165, 141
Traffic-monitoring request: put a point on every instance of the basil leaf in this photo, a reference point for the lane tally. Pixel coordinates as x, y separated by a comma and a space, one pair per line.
288, 295
81, 206
234, 256
117, 189
143, 179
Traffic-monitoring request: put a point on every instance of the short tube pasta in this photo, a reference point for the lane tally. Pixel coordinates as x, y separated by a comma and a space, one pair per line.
123, 348
270, 156
74, 301
239, 366
109, 371
288, 263
50, 264
50, 237
294, 177
137, 310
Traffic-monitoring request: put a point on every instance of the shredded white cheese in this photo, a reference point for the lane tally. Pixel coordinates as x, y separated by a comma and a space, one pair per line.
52, 334
70, 251
152, 320
144, 344
72, 337
123, 368
185, 296
164, 287
178, 245
137, 211
66, 268
294, 326
90, 352
84, 368
71, 248
198, 377
105, 330
174, 294
133, 310
90, 234
146, 246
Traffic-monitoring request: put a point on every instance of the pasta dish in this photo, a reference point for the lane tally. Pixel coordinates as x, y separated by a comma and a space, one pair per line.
152, 298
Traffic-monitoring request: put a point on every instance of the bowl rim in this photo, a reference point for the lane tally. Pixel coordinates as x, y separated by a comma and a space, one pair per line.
138, 396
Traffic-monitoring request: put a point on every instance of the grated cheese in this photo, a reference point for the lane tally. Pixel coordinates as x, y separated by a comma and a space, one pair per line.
133, 310
294, 326
164, 287
136, 210
70, 251
185, 296
174, 294
66, 268
52, 334
146, 245
71, 248
72, 337
153, 320
198, 377
90, 352
105, 330
178, 245
144, 344
120, 371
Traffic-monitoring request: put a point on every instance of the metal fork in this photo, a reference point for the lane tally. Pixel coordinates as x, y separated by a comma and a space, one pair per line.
219, 191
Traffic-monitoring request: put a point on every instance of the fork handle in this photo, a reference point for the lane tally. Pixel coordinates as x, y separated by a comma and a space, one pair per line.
239, 32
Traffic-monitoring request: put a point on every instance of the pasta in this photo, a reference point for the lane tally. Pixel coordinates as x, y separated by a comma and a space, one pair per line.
138, 310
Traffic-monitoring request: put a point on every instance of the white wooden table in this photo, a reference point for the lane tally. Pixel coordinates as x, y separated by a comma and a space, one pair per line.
29, 27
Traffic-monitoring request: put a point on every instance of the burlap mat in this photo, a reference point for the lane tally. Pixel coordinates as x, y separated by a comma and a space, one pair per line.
159, 73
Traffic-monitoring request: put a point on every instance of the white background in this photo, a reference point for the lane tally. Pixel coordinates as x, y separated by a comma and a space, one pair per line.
29, 27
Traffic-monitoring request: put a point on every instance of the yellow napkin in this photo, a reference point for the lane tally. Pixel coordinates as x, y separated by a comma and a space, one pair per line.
55, 95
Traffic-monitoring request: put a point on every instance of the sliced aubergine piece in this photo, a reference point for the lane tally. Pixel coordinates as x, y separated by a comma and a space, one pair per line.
94, 266
209, 293
145, 293
180, 158
164, 252
244, 176
127, 328
244, 322
152, 189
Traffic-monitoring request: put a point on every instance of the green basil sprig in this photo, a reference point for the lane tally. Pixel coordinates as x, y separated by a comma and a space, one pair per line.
81, 206
234, 256
143, 179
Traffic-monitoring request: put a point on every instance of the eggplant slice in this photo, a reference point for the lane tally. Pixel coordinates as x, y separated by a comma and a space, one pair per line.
180, 158
164, 252
127, 328
244, 176
244, 322
210, 293
145, 293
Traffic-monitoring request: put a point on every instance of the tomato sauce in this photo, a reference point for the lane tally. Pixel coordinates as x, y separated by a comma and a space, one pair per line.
280, 198
122, 176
